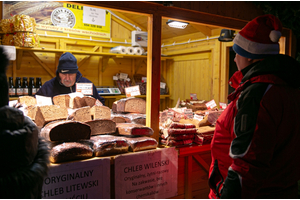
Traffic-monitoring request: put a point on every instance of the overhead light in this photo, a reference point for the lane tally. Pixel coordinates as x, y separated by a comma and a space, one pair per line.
177, 24
226, 35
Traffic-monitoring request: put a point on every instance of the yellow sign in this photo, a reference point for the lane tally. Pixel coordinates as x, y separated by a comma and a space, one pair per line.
63, 17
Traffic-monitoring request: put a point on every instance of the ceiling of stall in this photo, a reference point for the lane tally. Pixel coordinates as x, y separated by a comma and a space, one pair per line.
169, 32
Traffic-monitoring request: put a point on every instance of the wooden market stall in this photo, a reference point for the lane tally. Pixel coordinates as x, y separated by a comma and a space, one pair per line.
190, 61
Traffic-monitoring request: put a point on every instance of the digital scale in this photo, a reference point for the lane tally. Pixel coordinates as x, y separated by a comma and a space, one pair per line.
108, 91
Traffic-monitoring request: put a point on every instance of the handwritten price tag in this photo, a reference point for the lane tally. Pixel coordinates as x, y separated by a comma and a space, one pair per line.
85, 88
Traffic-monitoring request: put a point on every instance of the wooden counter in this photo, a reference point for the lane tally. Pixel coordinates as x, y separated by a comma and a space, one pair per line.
193, 169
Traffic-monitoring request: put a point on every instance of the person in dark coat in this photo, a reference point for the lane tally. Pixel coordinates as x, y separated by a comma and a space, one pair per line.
24, 154
67, 75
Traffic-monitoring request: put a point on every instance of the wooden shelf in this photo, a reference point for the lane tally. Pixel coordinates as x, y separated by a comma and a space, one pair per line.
85, 53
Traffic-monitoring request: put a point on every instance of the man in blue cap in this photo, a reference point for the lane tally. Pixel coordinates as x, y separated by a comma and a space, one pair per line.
67, 75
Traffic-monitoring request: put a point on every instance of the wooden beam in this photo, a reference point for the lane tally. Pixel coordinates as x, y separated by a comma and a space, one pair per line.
119, 21
19, 58
87, 57
188, 168
42, 64
130, 20
203, 29
202, 163
153, 74
143, 7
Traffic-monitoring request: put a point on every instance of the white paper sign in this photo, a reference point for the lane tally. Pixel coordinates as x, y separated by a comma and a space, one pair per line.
132, 91
85, 88
93, 15
222, 105
144, 79
162, 85
211, 104
43, 101
86, 179
149, 174
123, 76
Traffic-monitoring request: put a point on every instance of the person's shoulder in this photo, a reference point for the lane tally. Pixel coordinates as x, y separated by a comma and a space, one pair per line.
84, 80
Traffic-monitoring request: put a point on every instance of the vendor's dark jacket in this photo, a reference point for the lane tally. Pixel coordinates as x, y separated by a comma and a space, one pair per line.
256, 143
53, 87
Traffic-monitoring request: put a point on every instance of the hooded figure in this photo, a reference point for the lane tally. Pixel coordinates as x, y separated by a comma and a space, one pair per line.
256, 140
68, 70
25, 155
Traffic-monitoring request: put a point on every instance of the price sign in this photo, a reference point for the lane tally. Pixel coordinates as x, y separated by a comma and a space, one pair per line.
211, 104
193, 96
189, 113
222, 105
132, 91
85, 88
162, 85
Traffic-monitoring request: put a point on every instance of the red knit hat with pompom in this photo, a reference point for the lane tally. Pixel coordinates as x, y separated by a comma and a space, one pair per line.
259, 37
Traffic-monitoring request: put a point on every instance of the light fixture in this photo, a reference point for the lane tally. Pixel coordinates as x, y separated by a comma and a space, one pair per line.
177, 24
226, 35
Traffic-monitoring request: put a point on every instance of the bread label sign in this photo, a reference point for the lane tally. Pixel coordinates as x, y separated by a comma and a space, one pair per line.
86, 179
85, 88
151, 174
132, 91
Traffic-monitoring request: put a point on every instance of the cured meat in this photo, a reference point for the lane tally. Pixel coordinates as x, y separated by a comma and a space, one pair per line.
179, 137
102, 126
131, 104
173, 131
66, 130
181, 126
141, 143
133, 129
104, 145
169, 142
69, 151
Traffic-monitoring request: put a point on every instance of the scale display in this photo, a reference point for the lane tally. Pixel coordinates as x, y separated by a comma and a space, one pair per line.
108, 91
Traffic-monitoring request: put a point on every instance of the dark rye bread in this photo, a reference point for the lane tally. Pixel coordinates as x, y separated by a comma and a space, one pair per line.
62, 100
69, 151
105, 145
141, 143
81, 114
66, 130
133, 129
102, 126
45, 114
131, 105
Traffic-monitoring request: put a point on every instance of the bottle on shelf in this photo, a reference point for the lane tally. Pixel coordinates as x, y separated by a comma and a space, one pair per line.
18, 87
25, 86
38, 83
31, 87
11, 87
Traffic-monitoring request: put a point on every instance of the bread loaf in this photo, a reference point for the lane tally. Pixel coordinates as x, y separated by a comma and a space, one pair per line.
100, 112
104, 145
62, 100
133, 129
102, 126
131, 104
69, 151
27, 101
120, 119
66, 130
82, 114
48, 113
78, 102
31, 112
141, 143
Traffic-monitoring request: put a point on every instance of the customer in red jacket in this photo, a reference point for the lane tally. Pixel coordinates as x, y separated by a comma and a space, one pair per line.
256, 146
